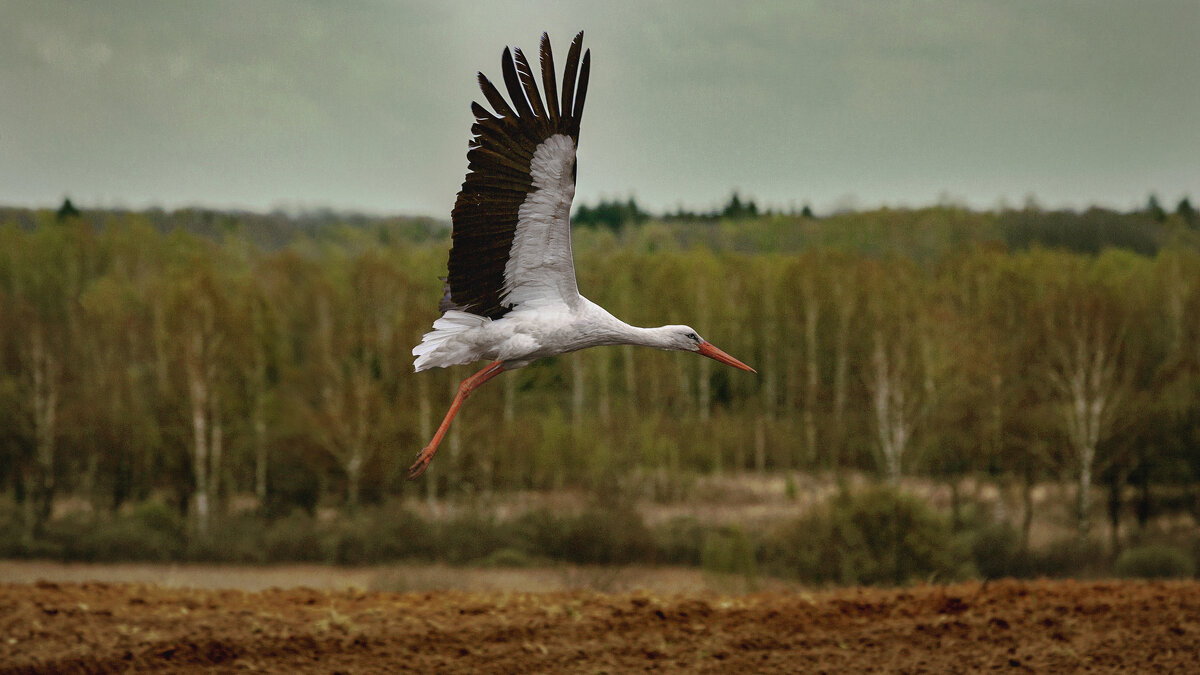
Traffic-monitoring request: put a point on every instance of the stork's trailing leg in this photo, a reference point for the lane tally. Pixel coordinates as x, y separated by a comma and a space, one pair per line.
464, 390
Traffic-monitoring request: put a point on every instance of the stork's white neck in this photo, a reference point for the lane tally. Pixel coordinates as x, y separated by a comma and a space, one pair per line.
659, 337
609, 330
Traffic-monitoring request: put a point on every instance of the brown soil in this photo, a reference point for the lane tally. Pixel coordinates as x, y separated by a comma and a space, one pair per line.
1043, 626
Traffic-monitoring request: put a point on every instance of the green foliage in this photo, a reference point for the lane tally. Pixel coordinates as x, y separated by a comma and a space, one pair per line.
348, 541
66, 211
728, 550
300, 330
12, 529
876, 536
608, 536
540, 533
1155, 561
996, 551
152, 532
1089, 232
293, 539
1186, 211
1067, 557
610, 214
402, 534
681, 541
467, 537
234, 539
508, 557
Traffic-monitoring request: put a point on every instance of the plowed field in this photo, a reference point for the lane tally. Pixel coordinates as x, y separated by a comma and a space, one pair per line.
1043, 626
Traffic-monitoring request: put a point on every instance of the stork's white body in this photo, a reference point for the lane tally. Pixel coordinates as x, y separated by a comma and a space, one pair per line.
524, 336
511, 296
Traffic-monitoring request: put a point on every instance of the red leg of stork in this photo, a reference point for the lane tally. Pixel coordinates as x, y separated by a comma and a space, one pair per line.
464, 390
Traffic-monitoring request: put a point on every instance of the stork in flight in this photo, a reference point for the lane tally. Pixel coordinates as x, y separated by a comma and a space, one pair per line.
511, 296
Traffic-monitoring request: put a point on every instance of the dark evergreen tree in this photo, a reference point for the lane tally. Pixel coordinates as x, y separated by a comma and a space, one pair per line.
67, 210
1155, 209
1186, 211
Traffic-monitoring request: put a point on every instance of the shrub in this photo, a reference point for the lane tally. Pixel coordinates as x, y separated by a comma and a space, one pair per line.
877, 536
159, 517
12, 529
680, 541
292, 539
996, 551
540, 533
236, 539
507, 557
1154, 561
151, 532
729, 551
1067, 557
403, 534
609, 536
468, 537
348, 541
127, 539
65, 538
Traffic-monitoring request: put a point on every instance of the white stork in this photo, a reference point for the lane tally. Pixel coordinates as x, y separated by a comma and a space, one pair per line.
511, 296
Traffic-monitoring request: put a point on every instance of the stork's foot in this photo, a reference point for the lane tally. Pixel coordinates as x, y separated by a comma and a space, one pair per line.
423, 459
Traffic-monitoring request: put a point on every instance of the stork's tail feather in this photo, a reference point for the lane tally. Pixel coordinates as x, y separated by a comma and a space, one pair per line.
430, 353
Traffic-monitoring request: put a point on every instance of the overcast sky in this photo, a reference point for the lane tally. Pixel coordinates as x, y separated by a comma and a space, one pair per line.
365, 105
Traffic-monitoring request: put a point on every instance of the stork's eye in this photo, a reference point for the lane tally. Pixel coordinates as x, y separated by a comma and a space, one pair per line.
693, 337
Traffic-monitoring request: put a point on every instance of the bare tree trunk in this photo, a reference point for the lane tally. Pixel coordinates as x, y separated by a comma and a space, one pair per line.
889, 401
812, 372
1084, 490
259, 424
844, 303
1026, 507
45, 372
1178, 288
354, 466
161, 348
216, 450
1115, 505
770, 352
358, 438
258, 413
1084, 371
198, 390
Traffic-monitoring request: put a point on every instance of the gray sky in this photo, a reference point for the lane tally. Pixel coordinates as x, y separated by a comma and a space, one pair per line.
365, 105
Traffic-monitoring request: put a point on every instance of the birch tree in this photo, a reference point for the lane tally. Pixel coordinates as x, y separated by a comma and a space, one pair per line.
894, 376
1084, 365
201, 352
844, 295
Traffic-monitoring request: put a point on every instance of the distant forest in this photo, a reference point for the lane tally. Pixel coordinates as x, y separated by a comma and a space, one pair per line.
200, 357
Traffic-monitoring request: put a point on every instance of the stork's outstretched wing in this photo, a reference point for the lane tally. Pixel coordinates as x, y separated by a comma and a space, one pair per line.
512, 232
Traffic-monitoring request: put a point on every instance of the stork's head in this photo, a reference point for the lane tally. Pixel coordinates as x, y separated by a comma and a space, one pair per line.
685, 338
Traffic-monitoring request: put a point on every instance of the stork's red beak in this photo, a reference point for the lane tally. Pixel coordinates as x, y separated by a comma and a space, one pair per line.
710, 350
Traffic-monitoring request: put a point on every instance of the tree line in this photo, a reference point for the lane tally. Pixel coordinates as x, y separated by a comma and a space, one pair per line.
141, 360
